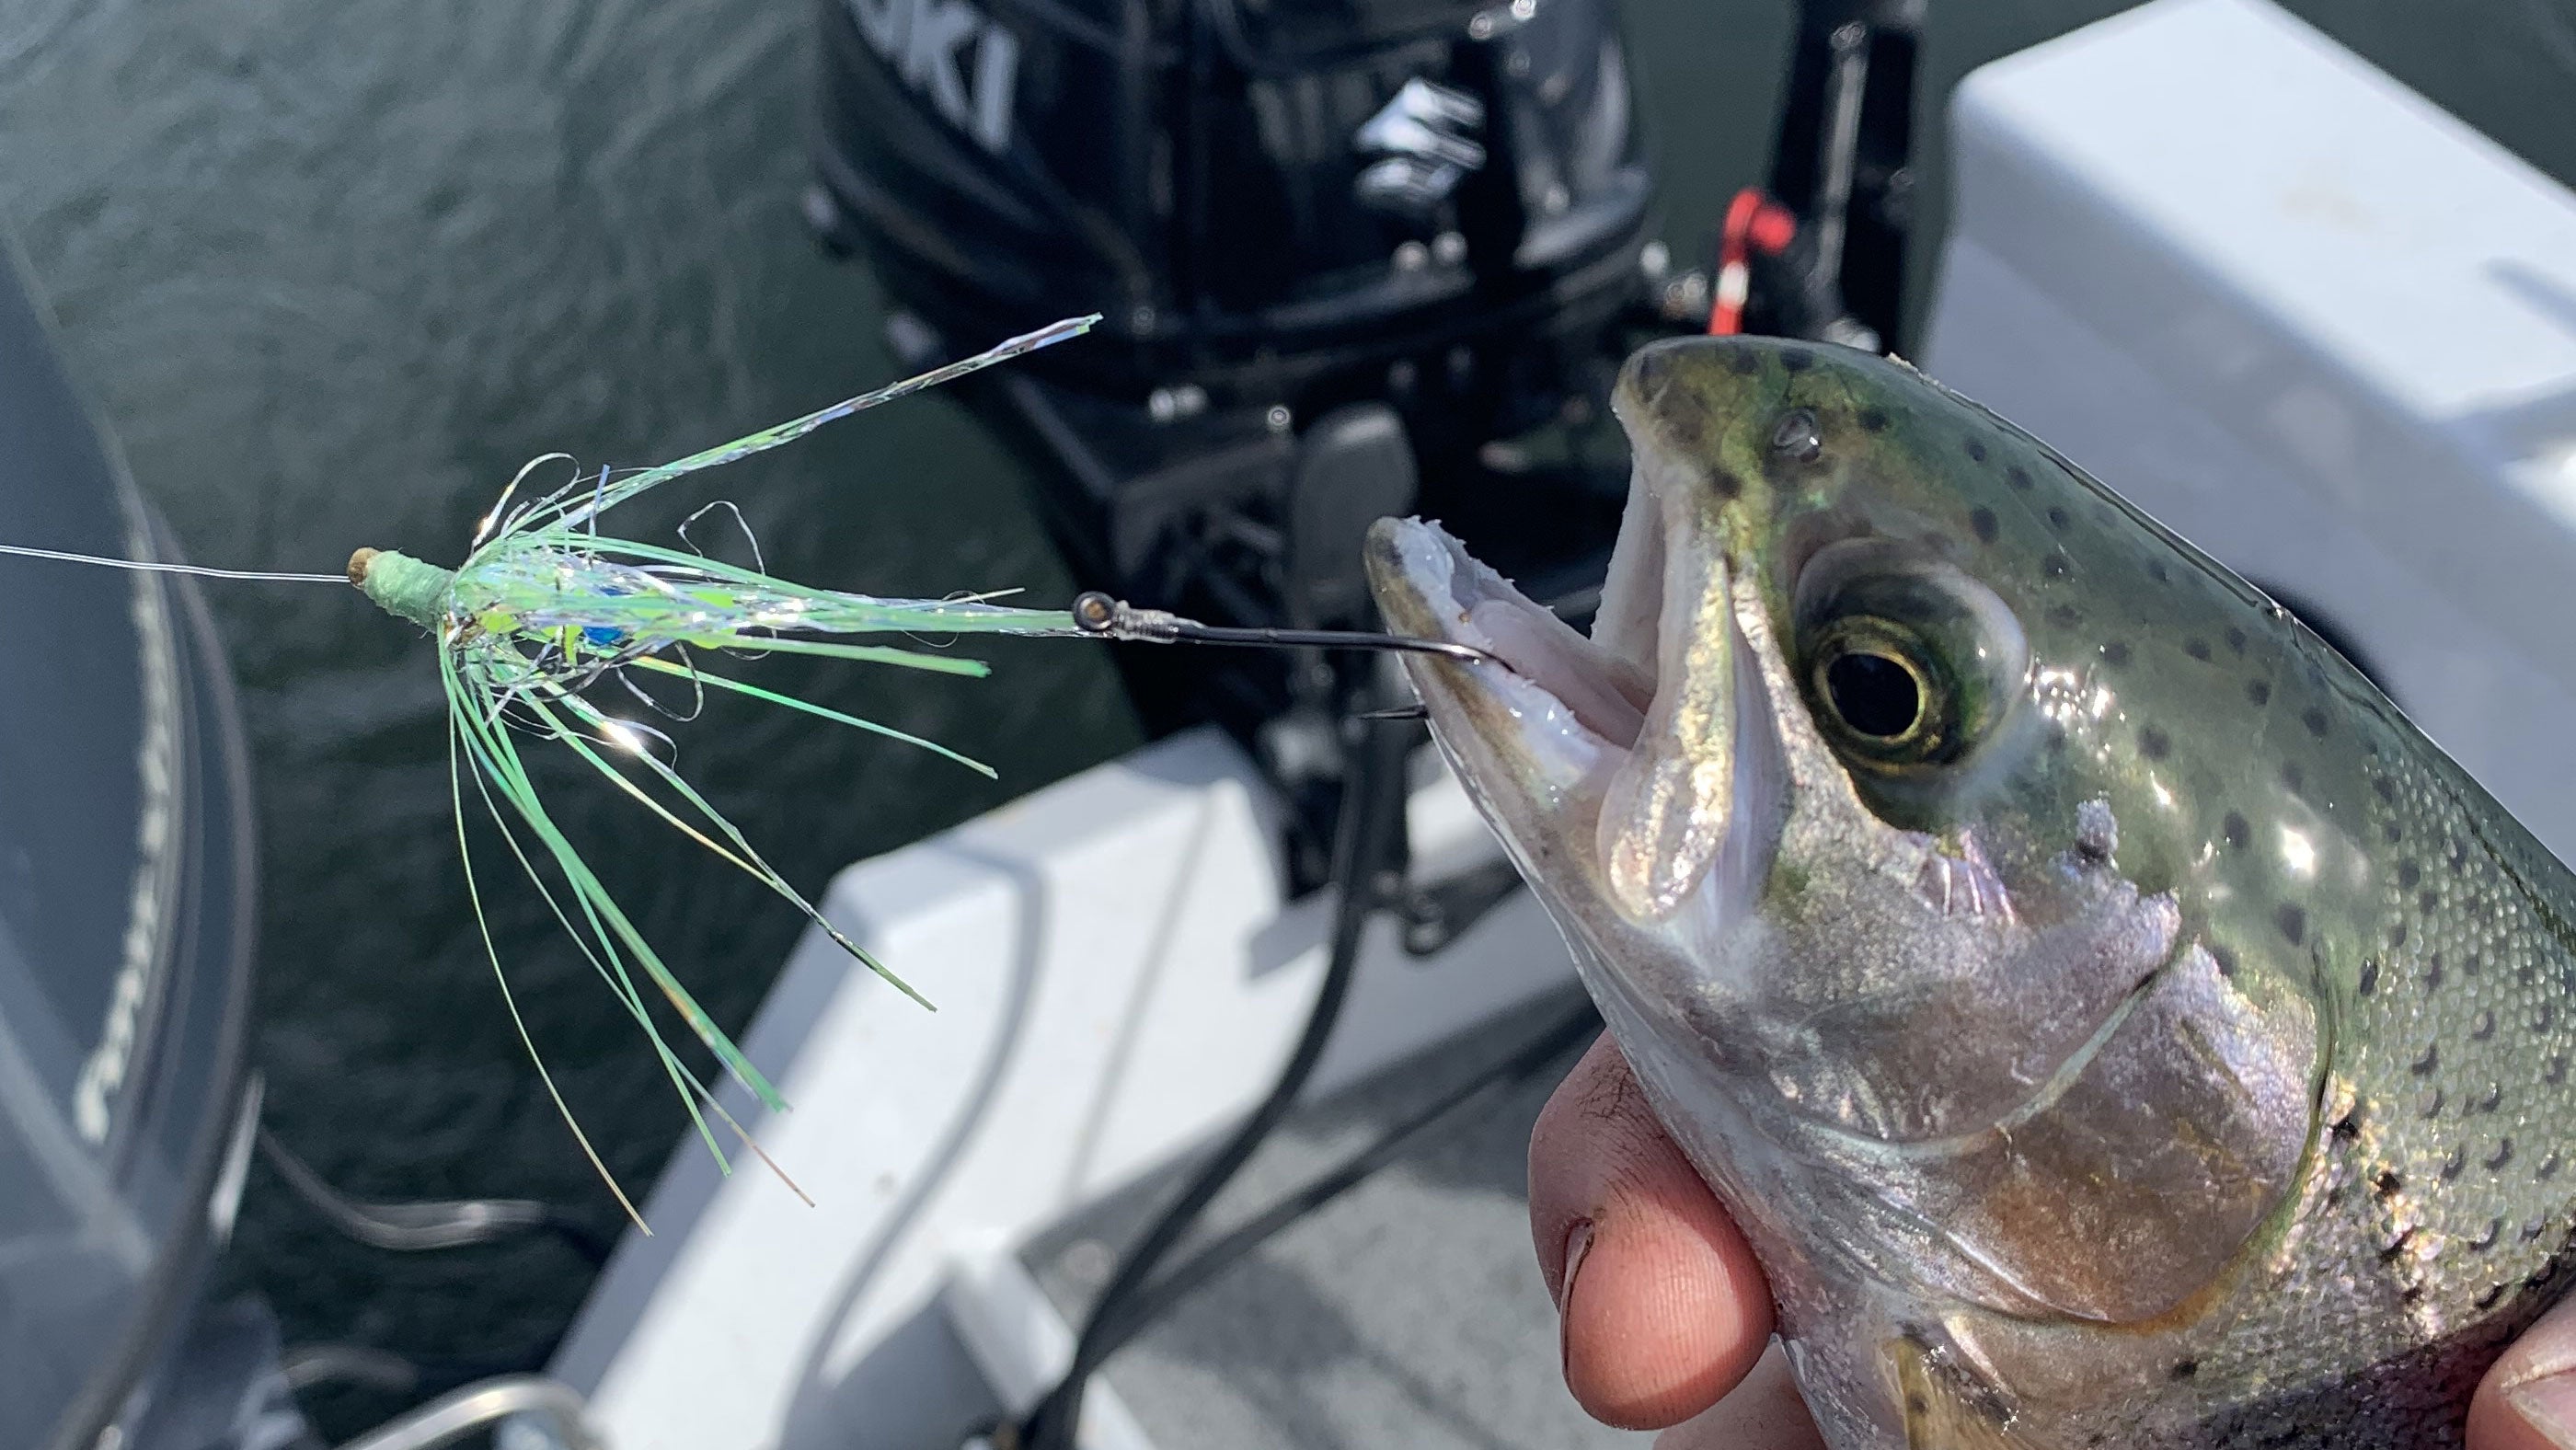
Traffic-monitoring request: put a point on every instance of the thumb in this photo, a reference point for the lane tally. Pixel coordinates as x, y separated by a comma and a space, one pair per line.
2528, 1401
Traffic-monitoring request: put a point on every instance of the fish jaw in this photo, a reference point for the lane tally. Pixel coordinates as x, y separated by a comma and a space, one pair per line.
1632, 777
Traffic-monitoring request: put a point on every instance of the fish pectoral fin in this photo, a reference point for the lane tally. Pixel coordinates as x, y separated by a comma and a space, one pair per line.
1945, 1407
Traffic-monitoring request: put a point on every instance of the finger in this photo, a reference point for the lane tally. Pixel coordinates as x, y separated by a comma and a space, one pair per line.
1662, 1308
1763, 1413
2528, 1400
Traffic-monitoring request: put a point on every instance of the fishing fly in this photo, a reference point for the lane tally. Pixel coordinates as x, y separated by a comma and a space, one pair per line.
544, 607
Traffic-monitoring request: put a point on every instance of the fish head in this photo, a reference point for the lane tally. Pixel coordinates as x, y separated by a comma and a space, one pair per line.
1870, 817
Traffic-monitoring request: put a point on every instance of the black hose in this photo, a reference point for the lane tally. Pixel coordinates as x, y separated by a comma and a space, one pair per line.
1370, 823
1186, 1277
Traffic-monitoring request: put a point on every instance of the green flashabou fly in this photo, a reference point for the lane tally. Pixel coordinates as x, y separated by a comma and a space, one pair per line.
545, 606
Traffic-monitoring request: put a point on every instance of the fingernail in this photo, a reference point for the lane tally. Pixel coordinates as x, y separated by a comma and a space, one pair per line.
2548, 1404
1578, 1242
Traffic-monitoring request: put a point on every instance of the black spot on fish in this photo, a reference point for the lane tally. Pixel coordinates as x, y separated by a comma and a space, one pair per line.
2387, 1184
2502, 1155
2154, 744
1983, 521
2397, 1245
2453, 1162
2238, 833
2162, 575
2293, 777
2493, 1296
2386, 787
1797, 362
2185, 1368
1725, 484
2469, 968
2347, 1127
1747, 363
1873, 420
2408, 873
2459, 858
2556, 1072
2487, 1240
2485, 1102
2259, 691
2058, 520
2065, 616
2196, 648
2426, 901
2293, 923
2548, 1168
2391, 833
2542, 1016
2483, 1028
2433, 972
2236, 639
2428, 1062
2223, 959
2057, 566
2315, 720
1976, 450
2115, 653
2369, 976
2397, 935
2018, 477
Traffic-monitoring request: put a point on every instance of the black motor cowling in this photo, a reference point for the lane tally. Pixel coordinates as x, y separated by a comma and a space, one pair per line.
1258, 195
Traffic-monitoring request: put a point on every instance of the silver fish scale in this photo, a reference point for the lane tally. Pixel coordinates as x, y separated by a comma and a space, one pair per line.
2436, 1220
2436, 1217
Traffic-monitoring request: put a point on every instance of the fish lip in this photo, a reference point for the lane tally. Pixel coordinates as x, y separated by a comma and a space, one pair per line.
1540, 730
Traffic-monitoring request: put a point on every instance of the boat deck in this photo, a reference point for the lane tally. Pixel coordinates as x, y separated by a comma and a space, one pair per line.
1409, 1311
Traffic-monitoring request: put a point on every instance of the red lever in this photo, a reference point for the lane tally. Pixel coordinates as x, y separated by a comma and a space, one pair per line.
1753, 223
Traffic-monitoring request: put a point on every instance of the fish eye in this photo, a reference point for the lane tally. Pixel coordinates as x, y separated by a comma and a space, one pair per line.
1882, 692
1908, 663
1797, 436
1880, 696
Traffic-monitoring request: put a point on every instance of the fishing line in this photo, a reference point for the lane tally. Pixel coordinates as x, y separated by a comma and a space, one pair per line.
154, 566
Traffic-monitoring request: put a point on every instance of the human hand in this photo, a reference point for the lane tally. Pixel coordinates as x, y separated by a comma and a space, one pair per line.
1665, 1316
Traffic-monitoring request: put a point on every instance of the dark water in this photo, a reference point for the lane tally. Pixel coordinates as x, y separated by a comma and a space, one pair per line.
334, 268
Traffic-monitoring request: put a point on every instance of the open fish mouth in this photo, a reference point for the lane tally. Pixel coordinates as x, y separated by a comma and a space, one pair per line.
1566, 691
1633, 731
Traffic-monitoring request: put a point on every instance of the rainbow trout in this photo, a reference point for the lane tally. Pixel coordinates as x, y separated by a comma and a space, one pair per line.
2112, 1022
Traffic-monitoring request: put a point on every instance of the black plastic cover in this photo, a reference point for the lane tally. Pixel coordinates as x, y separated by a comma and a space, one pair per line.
125, 901
1201, 172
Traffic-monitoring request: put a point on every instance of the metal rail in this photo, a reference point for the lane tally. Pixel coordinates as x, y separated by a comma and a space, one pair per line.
453, 1416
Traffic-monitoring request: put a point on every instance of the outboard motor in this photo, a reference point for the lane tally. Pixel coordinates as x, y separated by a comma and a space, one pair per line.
126, 910
1342, 250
